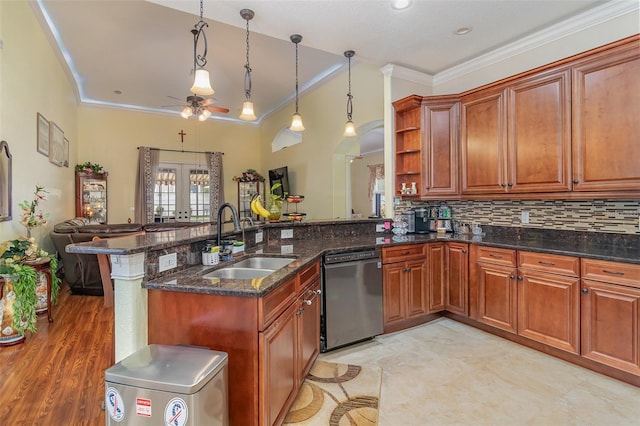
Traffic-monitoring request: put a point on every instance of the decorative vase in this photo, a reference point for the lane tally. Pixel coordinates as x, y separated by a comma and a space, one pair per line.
8, 335
274, 211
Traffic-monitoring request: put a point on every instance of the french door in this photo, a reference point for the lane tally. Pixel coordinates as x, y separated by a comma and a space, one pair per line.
181, 193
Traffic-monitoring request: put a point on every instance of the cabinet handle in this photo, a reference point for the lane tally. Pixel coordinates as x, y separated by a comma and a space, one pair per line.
503, 185
314, 295
511, 277
404, 253
576, 181
510, 184
300, 311
542, 262
585, 290
464, 250
497, 256
613, 272
520, 278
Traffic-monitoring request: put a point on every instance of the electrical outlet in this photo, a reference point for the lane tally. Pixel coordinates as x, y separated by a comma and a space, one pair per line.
286, 233
379, 227
287, 249
168, 261
259, 237
524, 216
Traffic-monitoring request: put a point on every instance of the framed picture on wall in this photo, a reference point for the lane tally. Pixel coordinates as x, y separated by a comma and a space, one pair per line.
43, 135
56, 144
66, 152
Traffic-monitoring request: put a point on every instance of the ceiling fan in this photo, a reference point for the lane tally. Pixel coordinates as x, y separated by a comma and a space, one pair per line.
198, 106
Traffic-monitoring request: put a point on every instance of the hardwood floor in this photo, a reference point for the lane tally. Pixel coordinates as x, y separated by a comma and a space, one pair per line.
57, 376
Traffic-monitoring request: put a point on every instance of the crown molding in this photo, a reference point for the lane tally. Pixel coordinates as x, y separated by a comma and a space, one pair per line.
403, 73
606, 12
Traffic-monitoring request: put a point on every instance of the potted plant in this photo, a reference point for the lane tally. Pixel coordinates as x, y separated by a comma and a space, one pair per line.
30, 217
89, 167
19, 300
275, 202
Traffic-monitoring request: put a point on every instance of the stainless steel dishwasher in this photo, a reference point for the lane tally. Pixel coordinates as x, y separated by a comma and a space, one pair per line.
351, 298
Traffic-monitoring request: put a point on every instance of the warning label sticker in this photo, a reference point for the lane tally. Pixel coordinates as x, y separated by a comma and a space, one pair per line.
143, 407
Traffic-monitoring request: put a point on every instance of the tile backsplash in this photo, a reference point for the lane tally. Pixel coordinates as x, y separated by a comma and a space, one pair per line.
612, 216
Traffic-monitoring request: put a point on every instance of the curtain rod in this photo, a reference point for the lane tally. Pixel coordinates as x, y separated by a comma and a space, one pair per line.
179, 150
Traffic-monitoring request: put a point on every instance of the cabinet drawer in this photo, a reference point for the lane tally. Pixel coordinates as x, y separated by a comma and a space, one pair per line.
307, 276
270, 306
401, 253
497, 256
552, 263
611, 272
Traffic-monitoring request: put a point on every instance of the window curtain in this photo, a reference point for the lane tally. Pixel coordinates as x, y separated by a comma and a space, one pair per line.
216, 182
376, 171
148, 160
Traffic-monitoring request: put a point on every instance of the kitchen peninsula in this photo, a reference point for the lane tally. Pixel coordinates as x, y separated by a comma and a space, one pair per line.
258, 323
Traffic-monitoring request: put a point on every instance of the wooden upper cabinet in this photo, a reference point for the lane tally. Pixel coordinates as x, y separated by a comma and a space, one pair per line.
483, 134
408, 144
440, 147
539, 133
606, 127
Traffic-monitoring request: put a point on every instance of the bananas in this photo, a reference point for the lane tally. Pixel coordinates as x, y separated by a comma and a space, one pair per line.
258, 208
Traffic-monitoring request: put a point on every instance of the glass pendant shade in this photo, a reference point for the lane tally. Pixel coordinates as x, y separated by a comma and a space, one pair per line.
201, 83
350, 129
296, 123
186, 112
247, 111
204, 114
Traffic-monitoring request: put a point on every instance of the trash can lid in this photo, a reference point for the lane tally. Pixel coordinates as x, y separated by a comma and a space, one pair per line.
180, 369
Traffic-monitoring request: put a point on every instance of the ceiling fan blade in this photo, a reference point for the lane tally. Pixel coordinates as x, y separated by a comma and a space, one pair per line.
173, 106
207, 101
217, 109
177, 99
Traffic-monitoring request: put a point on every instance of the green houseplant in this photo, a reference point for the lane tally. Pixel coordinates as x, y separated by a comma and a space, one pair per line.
21, 280
275, 202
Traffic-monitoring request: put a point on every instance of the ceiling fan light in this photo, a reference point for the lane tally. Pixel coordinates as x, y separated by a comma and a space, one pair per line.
201, 83
247, 111
186, 112
204, 114
350, 129
296, 123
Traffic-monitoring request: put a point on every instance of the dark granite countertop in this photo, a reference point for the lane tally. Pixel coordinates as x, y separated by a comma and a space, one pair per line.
190, 280
611, 247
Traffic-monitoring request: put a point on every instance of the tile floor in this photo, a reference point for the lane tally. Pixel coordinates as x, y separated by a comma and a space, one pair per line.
447, 373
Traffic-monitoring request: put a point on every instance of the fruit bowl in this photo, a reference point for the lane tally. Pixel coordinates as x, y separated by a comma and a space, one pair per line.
294, 198
294, 216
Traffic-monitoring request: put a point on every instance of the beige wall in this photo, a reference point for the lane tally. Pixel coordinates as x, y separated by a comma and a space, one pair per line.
111, 137
313, 171
360, 183
32, 80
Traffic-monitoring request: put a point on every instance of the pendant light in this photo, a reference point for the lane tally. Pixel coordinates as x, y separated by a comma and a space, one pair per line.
201, 84
247, 106
349, 128
296, 120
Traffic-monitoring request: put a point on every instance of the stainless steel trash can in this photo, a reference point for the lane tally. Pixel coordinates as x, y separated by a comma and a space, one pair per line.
168, 385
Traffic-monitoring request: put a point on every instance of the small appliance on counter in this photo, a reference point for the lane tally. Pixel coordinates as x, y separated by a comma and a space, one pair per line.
410, 218
421, 220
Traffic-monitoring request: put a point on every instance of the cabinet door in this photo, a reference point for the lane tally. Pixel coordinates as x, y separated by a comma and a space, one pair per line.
394, 292
308, 328
436, 276
611, 325
278, 378
440, 148
457, 278
497, 290
605, 130
483, 139
539, 126
549, 309
91, 196
415, 282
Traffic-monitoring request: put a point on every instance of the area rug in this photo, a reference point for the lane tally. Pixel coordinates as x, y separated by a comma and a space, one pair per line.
337, 395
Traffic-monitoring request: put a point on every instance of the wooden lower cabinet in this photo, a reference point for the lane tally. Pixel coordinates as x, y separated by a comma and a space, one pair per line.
278, 375
497, 296
457, 278
271, 341
611, 314
436, 276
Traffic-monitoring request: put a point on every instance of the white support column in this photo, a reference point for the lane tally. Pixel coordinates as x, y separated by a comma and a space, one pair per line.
130, 304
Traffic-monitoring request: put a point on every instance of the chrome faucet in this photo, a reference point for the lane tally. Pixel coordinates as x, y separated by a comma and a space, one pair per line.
234, 217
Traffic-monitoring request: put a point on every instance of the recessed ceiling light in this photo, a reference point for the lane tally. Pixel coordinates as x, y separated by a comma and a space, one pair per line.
463, 30
401, 4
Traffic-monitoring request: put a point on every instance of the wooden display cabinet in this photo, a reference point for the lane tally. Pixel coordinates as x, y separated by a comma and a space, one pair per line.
91, 196
408, 145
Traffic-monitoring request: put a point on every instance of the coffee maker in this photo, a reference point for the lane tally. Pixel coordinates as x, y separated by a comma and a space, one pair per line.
422, 220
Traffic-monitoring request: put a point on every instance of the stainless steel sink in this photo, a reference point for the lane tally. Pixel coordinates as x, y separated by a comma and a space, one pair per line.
253, 267
239, 273
263, 262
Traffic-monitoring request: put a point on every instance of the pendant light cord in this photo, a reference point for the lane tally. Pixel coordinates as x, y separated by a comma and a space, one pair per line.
296, 78
247, 74
349, 96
